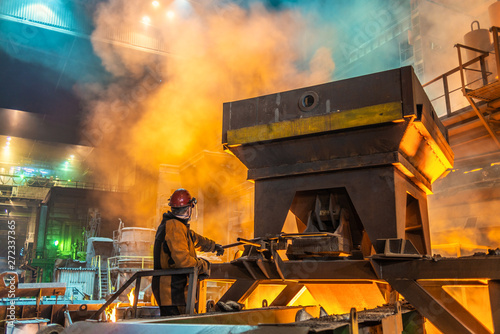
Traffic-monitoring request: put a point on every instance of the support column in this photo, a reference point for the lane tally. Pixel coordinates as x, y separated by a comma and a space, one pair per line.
494, 290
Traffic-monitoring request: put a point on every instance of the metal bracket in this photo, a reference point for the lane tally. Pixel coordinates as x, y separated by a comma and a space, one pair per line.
353, 322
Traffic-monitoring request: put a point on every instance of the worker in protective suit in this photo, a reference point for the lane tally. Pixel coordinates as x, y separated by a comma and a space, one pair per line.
175, 247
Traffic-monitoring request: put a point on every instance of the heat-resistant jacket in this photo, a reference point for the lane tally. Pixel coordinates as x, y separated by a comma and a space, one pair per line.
175, 247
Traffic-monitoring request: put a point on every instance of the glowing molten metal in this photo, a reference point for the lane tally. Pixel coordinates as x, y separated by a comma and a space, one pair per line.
130, 296
111, 312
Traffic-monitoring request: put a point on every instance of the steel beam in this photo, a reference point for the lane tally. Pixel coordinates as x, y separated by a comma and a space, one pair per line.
456, 309
301, 270
429, 307
287, 294
239, 290
465, 268
473, 267
483, 120
494, 291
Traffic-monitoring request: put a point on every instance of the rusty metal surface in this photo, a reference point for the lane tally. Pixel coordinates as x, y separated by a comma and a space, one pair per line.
365, 135
373, 141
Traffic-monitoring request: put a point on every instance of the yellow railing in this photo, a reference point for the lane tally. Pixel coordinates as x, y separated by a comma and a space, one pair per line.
113, 261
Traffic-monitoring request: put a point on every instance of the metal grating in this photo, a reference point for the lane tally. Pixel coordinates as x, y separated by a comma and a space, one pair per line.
486, 93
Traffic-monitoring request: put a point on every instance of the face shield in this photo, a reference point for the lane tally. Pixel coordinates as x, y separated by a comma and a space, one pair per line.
193, 210
189, 213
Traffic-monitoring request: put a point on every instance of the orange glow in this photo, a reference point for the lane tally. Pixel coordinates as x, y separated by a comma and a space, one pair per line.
335, 298
111, 312
457, 249
339, 298
268, 292
303, 298
424, 153
173, 111
474, 170
153, 301
131, 296
476, 299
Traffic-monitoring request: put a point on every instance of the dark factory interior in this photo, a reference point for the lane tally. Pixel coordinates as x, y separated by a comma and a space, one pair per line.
345, 155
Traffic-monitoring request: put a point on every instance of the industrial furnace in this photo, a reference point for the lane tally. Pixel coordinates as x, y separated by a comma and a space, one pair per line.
363, 151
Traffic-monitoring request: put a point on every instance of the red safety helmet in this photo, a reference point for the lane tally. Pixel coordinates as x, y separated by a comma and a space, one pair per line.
181, 198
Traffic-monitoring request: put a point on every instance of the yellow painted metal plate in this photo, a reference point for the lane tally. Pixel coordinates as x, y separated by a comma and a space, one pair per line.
381, 113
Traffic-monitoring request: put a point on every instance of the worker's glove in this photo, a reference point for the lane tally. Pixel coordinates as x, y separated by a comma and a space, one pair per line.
219, 250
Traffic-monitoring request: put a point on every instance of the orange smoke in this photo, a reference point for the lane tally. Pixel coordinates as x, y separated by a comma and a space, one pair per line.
165, 107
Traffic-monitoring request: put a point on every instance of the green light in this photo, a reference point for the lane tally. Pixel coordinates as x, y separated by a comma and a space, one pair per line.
22, 176
56, 243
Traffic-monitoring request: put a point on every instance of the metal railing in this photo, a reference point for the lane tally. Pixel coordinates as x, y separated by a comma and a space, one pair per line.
465, 66
41, 182
113, 262
457, 70
461, 69
192, 288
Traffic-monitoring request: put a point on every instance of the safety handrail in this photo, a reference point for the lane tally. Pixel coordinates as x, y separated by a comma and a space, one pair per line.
460, 68
193, 285
113, 261
463, 66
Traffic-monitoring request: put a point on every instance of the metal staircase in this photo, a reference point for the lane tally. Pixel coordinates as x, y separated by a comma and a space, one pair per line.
489, 92
473, 130
104, 284
102, 276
